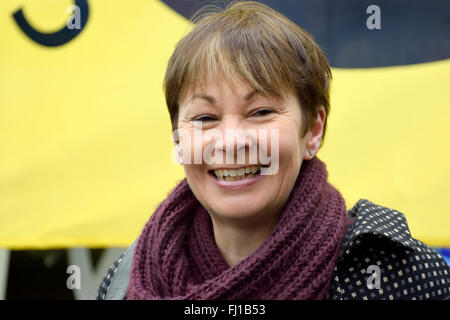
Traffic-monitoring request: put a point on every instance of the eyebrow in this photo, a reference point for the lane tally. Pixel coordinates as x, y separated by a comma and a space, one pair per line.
212, 100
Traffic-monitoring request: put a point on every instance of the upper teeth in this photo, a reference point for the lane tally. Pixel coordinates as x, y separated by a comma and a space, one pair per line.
237, 172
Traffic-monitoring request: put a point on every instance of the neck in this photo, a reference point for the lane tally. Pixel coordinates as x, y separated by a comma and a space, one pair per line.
236, 240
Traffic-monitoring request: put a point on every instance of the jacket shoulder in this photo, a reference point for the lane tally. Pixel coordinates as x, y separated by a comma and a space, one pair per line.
379, 259
115, 283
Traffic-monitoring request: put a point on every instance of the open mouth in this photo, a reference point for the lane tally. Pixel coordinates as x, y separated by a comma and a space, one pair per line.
236, 174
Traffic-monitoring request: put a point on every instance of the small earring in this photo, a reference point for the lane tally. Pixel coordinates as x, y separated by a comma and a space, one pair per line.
310, 154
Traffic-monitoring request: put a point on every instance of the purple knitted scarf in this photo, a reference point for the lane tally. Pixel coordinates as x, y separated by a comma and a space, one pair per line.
176, 256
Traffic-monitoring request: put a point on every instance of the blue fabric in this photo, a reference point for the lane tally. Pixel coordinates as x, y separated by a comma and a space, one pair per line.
445, 253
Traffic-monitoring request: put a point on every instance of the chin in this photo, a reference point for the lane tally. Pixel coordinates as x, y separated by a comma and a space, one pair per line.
237, 210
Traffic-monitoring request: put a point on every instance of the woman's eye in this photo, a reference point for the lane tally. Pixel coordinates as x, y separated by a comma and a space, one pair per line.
204, 118
262, 112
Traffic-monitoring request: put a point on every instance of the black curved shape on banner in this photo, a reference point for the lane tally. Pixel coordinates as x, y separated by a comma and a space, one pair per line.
57, 38
412, 31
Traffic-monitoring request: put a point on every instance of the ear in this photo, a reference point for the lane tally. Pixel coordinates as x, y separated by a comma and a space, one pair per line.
314, 136
177, 150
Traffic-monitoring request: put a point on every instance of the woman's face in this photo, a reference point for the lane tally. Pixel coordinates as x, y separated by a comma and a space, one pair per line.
235, 121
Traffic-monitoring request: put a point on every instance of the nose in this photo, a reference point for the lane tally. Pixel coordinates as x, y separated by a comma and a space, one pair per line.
236, 141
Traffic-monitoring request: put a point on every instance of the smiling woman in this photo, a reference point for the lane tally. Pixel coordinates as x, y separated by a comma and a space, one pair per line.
264, 224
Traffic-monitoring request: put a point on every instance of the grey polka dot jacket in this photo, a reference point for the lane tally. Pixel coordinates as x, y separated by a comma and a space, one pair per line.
379, 260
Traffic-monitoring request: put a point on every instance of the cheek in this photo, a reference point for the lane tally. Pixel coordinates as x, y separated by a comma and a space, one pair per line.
196, 179
193, 171
192, 145
290, 148
290, 144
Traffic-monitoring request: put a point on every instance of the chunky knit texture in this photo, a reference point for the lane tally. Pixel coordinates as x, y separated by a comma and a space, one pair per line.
176, 256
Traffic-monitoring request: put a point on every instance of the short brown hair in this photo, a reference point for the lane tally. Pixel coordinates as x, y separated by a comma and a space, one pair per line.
251, 42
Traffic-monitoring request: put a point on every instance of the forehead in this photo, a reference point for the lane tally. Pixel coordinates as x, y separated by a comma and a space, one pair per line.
213, 92
211, 98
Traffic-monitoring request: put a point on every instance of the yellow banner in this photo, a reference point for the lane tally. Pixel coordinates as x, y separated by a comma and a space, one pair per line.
85, 138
